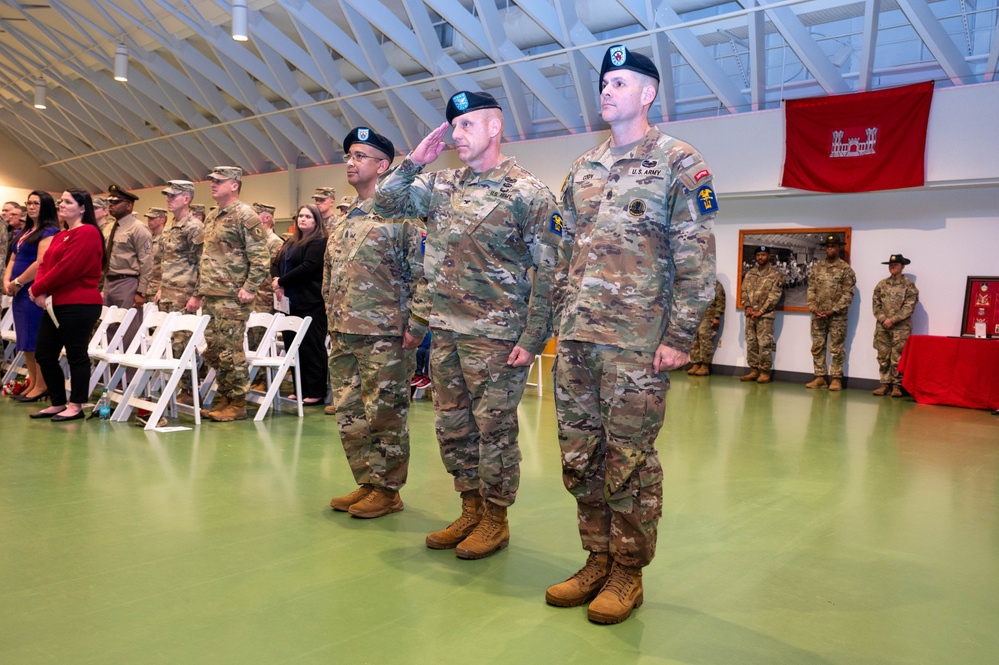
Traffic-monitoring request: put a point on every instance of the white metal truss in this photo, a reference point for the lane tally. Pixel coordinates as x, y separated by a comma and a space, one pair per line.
313, 69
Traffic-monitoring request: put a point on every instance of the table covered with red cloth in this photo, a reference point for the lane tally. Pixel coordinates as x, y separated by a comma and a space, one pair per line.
956, 371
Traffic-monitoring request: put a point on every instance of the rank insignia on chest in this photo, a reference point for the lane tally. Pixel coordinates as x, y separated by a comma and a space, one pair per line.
556, 224
636, 208
706, 201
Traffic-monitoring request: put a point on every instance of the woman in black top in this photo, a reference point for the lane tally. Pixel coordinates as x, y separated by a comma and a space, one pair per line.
298, 274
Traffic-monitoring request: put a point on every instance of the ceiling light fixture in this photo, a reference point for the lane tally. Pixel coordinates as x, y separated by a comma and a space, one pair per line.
239, 21
40, 92
121, 63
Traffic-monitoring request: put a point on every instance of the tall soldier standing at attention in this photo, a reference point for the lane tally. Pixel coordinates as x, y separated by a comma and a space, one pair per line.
370, 276
636, 271
234, 261
830, 292
894, 301
762, 286
128, 258
488, 226
703, 350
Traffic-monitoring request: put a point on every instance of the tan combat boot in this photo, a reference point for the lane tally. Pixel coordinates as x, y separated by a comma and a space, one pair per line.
621, 594
220, 403
379, 502
584, 585
342, 503
185, 397
752, 376
472, 506
764, 377
235, 410
817, 382
836, 384
329, 410
490, 535
883, 390
703, 370
693, 369
896, 390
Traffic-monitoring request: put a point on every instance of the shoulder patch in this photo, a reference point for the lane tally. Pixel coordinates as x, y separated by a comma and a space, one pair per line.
555, 224
707, 202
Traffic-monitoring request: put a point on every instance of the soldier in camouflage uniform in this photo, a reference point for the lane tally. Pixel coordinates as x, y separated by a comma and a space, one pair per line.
234, 261
325, 200
155, 220
488, 226
636, 271
830, 292
264, 300
198, 210
894, 301
762, 286
703, 349
370, 273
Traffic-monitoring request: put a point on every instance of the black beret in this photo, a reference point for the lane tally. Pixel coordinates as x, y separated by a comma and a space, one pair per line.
368, 137
465, 102
762, 248
116, 191
619, 57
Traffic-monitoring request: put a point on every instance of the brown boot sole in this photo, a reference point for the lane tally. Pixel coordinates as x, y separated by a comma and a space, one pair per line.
600, 617
394, 508
572, 602
470, 555
215, 417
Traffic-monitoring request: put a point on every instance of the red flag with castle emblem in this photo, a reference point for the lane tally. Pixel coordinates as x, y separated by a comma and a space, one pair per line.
861, 142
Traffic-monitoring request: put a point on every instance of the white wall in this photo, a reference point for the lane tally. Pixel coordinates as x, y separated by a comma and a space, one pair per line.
950, 228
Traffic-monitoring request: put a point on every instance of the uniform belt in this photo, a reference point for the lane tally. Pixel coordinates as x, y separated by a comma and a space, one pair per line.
115, 278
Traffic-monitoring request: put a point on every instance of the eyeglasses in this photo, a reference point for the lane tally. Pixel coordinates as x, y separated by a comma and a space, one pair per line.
359, 157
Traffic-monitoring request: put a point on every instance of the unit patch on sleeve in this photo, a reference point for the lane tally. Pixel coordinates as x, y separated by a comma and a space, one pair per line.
706, 200
556, 224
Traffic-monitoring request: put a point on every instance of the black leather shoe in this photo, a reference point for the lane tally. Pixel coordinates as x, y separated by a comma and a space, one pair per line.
42, 414
40, 396
59, 418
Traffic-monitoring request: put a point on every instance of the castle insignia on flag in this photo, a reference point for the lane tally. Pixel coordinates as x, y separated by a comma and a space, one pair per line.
853, 146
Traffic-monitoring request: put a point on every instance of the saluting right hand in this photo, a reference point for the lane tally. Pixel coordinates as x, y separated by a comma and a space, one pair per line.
431, 146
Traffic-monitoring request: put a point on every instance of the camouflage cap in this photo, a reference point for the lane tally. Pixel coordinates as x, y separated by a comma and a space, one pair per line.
466, 102
325, 193
116, 192
832, 239
263, 207
100, 202
198, 208
179, 187
155, 212
226, 173
345, 202
619, 57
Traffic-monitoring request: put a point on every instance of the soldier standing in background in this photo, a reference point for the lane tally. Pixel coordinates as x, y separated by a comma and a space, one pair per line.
370, 275
703, 350
830, 292
894, 301
128, 258
155, 219
264, 300
345, 203
101, 212
636, 271
198, 210
762, 286
325, 198
234, 261
488, 225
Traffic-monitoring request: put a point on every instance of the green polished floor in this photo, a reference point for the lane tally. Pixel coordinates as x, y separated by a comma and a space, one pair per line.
799, 527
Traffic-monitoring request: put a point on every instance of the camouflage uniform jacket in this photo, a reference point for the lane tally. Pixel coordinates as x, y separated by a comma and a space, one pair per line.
637, 264
716, 309
894, 298
831, 286
761, 290
156, 280
370, 274
264, 300
235, 255
485, 232
180, 258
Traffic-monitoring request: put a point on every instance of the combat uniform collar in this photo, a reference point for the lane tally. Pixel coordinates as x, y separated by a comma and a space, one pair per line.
646, 146
363, 207
221, 212
495, 174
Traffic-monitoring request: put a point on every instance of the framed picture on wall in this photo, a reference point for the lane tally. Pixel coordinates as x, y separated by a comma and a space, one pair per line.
794, 252
981, 307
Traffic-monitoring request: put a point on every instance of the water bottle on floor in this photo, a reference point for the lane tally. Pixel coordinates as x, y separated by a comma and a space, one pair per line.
104, 406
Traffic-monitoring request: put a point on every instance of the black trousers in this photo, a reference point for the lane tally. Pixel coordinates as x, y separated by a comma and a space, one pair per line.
76, 322
312, 356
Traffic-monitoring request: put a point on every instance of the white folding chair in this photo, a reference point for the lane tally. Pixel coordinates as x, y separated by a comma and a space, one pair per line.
536, 367
148, 331
281, 362
159, 361
103, 345
13, 359
267, 346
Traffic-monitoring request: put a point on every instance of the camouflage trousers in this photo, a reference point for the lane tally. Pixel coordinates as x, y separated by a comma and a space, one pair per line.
889, 344
703, 349
370, 378
476, 395
760, 343
224, 337
833, 328
179, 340
610, 408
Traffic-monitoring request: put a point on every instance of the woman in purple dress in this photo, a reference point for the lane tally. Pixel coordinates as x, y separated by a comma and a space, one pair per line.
28, 247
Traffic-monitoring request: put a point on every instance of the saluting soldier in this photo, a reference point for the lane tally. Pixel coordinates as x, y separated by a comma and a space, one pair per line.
234, 261
488, 226
830, 293
636, 271
703, 350
762, 286
370, 274
894, 301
